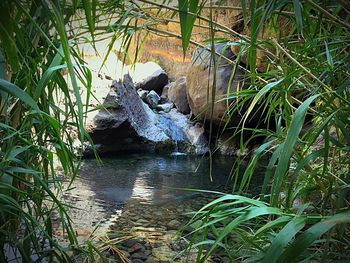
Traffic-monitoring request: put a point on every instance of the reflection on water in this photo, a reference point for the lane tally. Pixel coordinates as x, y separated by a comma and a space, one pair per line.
101, 191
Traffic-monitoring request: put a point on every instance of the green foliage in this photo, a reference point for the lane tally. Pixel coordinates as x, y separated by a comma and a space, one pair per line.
302, 213
304, 90
187, 16
232, 219
41, 126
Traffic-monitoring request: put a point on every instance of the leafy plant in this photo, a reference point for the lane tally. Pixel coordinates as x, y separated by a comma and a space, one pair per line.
41, 121
304, 89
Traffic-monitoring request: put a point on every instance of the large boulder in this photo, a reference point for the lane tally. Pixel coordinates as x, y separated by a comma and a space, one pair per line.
149, 76
200, 81
177, 94
127, 124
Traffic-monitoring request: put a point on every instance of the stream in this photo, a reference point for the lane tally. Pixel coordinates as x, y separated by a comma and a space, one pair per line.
140, 195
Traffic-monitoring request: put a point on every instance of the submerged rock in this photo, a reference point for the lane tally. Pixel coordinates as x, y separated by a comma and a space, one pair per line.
174, 224
164, 253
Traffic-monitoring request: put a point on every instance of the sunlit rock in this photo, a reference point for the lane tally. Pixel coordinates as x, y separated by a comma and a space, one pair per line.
200, 80
177, 95
125, 124
143, 94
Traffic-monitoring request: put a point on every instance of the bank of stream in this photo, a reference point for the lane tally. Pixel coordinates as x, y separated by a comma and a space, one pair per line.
143, 196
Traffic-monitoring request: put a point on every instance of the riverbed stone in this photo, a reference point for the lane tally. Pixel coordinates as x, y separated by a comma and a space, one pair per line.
151, 260
130, 242
174, 224
142, 222
136, 248
125, 253
139, 255
163, 253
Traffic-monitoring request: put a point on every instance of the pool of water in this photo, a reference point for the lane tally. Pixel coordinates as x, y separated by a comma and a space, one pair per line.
144, 196
102, 189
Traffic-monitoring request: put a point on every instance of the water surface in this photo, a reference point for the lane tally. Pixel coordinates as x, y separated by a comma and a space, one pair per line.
102, 190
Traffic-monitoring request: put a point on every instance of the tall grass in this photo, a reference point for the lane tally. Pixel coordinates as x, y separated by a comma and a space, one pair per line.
41, 119
302, 213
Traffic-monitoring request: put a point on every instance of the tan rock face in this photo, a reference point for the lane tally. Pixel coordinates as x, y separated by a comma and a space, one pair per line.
177, 95
200, 83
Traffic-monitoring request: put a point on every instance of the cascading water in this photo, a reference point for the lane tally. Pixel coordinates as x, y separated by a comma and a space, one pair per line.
173, 130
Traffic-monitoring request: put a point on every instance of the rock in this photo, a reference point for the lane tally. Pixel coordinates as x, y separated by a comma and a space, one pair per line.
137, 260
139, 255
152, 99
165, 92
130, 242
143, 94
151, 260
127, 124
177, 126
174, 224
163, 253
142, 222
177, 94
227, 145
198, 139
179, 244
125, 253
195, 225
230, 146
200, 79
166, 107
136, 248
149, 76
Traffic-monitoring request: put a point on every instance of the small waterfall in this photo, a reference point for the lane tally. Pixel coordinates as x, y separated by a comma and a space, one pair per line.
174, 131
